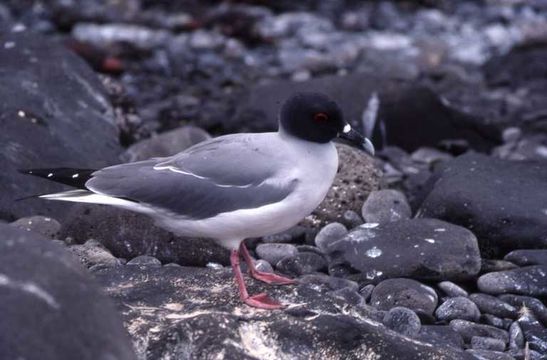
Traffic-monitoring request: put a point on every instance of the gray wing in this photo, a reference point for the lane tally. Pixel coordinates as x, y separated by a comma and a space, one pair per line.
217, 176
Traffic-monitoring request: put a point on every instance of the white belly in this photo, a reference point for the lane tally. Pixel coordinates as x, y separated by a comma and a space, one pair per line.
314, 175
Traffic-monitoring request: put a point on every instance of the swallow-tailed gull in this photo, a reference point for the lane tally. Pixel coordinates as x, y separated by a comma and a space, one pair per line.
232, 187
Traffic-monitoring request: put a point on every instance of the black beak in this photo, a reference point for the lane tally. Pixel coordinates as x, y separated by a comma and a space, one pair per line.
356, 139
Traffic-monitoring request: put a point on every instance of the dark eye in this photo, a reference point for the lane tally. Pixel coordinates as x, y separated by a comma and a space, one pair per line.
320, 117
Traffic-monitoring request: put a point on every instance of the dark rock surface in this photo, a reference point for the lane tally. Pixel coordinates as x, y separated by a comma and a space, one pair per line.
486, 343
385, 206
127, 235
492, 305
406, 293
451, 289
530, 280
441, 335
50, 307
493, 265
329, 234
50, 118
534, 333
43, 225
420, 249
92, 253
534, 305
468, 329
165, 144
185, 313
273, 253
458, 308
516, 337
302, 263
528, 257
403, 321
503, 202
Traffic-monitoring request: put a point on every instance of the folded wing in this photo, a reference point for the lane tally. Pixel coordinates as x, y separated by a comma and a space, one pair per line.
218, 176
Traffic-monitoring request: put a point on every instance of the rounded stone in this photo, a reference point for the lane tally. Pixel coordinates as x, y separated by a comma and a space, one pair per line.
42, 225
403, 320
492, 305
458, 308
302, 263
273, 253
406, 293
451, 289
328, 234
263, 266
486, 343
385, 206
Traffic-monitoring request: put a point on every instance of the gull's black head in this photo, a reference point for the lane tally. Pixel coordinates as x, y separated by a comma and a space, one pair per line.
315, 117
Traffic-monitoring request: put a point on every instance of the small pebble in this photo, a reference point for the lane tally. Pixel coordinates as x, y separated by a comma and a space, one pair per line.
511, 134
492, 305
144, 260
42, 225
351, 219
263, 266
384, 206
334, 283
302, 263
486, 343
273, 253
349, 295
490, 319
401, 292
516, 337
403, 320
329, 234
451, 289
468, 329
527, 257
458, 308
366, 291
533, 304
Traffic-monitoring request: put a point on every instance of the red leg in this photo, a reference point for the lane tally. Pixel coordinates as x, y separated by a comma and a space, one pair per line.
262, 276
261, 301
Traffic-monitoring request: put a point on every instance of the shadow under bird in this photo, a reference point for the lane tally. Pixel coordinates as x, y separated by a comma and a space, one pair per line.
232, 187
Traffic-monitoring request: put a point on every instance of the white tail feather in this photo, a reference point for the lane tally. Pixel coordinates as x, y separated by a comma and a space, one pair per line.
86, 196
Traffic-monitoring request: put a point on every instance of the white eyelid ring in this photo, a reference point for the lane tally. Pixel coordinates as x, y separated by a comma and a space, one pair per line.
347, 129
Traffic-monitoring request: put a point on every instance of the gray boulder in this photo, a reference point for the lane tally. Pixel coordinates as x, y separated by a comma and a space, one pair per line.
50, 307
502, 201
54, 113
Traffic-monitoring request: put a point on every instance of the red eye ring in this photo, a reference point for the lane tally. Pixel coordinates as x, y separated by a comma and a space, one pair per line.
320, 117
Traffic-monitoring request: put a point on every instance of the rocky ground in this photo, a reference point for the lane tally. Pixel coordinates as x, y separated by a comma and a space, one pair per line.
435, 249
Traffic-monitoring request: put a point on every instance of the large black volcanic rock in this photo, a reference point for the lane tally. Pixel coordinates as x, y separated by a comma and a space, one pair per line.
195, 313
502, 202
428, 249
54, 113
50, 307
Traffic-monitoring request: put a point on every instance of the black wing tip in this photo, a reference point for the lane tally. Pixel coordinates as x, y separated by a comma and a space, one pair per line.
68, 176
